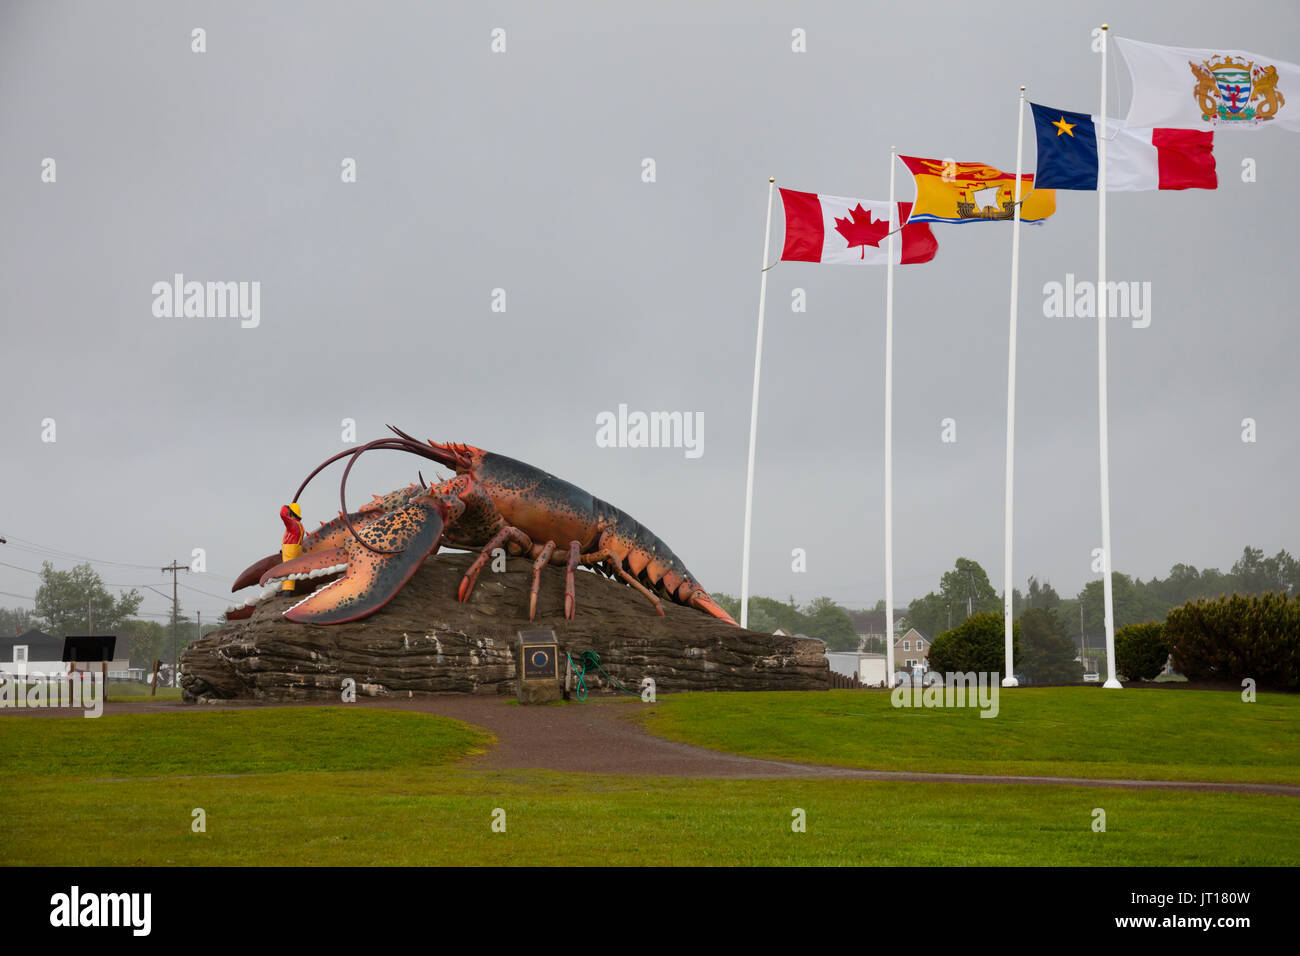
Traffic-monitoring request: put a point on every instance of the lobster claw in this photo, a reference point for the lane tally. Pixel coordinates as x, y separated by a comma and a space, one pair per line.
372, 579
255, 571
323, 560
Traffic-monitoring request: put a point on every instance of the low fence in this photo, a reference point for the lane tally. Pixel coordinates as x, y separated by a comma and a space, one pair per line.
840, 682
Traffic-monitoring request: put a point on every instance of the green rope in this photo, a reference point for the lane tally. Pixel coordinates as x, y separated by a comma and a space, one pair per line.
589, 660
582, 673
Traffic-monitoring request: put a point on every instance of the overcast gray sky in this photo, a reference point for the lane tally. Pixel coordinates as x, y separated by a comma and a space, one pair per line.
522, 171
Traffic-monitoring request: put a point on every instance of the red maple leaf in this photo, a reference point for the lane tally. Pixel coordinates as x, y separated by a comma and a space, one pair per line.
862, 230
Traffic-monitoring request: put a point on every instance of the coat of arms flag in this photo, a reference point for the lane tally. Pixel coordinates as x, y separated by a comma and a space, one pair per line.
836, 229
1187, 88
1136, 159
973, 192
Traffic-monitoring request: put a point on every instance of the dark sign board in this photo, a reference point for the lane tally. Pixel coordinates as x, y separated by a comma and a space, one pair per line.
89, 648
538, 655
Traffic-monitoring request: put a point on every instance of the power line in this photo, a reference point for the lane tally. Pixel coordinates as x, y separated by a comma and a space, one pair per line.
219, 597
137, 614
117, 584
34, 547
112, 584
40, 550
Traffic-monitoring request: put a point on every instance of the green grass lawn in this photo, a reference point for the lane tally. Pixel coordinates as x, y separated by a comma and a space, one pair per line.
121, 692
443, 817
351, 786
1052, 731
273, 740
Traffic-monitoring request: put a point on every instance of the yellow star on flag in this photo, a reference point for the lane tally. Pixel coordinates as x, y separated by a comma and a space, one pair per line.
1063, 127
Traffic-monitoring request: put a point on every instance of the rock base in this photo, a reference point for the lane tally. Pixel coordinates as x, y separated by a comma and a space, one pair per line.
426, 642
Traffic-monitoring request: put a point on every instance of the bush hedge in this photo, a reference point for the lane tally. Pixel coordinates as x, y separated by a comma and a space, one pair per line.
977, 644
1141, 650
1236, 637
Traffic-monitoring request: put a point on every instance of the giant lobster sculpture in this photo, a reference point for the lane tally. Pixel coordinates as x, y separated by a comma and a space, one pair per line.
492, 502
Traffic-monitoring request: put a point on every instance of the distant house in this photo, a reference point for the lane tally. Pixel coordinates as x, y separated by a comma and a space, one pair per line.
911, 654
912, 650
36, 652
868, 625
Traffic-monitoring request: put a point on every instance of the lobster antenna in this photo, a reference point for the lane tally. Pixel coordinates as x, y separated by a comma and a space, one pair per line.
403, 442
393, 443
343, 502
401, 434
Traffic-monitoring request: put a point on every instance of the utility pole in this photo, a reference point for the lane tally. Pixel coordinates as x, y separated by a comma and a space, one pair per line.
176, 660
1083, 652
90, 620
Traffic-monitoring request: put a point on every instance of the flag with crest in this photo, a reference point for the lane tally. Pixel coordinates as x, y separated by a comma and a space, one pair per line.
1210, 89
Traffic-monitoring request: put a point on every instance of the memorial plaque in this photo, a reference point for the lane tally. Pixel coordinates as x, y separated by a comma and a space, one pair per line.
538, 678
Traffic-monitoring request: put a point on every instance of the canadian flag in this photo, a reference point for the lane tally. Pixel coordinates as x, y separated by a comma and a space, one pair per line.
838, 229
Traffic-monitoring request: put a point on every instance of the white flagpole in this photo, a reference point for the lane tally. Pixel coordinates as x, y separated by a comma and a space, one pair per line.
889, 428
1103, 134
1009, 675
753, 411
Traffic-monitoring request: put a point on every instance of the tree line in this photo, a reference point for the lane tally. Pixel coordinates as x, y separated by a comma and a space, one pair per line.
68, 601
77, 602
966, 591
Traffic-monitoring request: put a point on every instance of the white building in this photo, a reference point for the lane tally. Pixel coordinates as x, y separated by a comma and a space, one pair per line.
867, 668
36, 652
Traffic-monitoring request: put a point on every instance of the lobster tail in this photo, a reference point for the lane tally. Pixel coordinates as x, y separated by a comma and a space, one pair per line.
700, 600
645, 556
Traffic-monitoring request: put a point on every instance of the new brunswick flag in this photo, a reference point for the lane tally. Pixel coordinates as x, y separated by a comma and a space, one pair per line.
973, 192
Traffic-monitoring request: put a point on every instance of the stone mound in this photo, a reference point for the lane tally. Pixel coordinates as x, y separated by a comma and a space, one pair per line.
426, 642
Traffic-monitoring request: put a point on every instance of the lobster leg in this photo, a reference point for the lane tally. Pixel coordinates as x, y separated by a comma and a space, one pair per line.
576, 559
507, 533
610, 559
570, 597
537, 577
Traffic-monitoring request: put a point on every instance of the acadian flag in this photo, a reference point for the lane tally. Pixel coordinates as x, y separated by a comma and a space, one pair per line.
840, 230
1136, 159
1186, 88
973, 192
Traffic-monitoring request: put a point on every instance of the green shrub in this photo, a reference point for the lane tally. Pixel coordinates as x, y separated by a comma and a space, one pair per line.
1238, 637
1141, 650
977, 644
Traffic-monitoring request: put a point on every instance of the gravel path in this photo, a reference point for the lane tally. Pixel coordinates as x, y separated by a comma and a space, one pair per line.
601, 737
